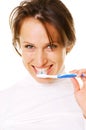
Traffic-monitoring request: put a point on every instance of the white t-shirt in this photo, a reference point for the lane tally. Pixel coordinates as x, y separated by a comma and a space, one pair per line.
30, 105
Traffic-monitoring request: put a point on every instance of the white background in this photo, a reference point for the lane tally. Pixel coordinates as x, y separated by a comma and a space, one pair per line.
11, 67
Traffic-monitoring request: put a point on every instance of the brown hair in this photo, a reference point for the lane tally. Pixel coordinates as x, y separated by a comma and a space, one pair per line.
53, 12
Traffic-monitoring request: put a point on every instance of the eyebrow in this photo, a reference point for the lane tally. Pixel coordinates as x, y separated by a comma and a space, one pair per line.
33, 43
27, 42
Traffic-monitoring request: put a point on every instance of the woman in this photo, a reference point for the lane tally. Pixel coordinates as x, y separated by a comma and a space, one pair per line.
43, 34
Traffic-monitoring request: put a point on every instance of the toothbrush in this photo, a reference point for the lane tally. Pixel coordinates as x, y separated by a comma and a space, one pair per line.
70, 75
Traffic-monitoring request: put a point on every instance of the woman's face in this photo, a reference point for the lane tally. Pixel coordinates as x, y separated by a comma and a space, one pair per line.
37, 52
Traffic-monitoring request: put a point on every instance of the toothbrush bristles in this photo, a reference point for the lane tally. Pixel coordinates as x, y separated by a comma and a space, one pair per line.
41, 75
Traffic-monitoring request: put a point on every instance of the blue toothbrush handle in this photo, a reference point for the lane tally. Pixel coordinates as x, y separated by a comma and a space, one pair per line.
66, 75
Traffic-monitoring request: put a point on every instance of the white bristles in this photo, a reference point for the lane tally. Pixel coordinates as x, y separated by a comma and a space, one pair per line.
46, 76
41, 75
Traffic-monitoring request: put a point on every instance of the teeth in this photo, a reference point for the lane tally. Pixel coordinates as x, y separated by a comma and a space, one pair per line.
41, 71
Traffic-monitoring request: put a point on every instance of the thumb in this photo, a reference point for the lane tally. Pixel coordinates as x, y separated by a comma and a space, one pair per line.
76, 84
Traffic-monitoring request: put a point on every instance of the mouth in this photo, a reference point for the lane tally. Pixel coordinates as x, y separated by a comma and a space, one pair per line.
43, 70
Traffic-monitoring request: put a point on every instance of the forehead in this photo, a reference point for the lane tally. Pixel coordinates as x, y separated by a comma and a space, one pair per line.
34, 27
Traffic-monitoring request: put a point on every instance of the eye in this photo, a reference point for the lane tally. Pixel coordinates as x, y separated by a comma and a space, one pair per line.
29, 46
52, 46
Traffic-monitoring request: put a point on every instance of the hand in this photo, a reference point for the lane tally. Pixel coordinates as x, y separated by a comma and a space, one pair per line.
80, 91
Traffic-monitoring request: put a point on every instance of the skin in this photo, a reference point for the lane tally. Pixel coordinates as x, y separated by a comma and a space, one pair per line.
36, 50
80, 91
37, 55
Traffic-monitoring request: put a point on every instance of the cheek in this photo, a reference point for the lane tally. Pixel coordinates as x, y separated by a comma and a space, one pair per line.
63, 54
27, 58
60, 56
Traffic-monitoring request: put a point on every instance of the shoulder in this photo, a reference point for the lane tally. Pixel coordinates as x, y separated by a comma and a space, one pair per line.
8, 96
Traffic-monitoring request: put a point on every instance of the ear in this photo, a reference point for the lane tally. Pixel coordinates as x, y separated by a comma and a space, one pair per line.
69, 48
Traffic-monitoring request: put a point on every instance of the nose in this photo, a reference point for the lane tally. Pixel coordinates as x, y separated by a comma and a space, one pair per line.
40, 58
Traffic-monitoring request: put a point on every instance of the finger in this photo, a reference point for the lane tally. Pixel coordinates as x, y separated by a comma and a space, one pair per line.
79, 72
76, 84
